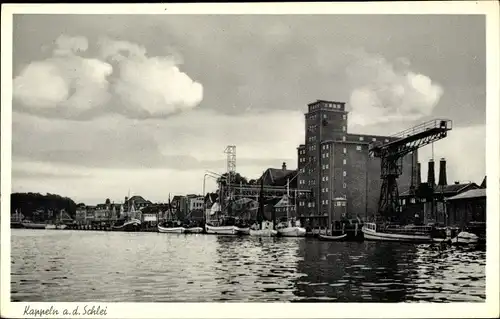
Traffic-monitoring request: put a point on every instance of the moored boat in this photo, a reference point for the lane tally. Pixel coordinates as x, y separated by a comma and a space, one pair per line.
33, 225
333, 238
392, 232
223, 230
173, 230
266, 230
50, 226
131, 225
288, 230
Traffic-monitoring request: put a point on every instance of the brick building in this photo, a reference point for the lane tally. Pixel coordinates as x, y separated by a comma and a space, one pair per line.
334, 163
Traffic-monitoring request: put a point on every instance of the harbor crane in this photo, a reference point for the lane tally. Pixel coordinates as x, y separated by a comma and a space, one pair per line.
392, 153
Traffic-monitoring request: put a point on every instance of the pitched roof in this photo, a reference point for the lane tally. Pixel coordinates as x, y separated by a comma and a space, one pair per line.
483, 184
278, 174
446, 189
453, 188
471, 193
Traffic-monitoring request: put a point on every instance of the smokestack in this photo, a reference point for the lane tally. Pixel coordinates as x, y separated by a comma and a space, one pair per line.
283, 166
442, 172
419, 174
431, 177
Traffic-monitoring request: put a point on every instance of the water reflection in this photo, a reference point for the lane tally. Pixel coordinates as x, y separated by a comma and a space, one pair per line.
151, 267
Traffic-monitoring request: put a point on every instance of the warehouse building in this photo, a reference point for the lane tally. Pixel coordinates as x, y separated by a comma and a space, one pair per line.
336, 167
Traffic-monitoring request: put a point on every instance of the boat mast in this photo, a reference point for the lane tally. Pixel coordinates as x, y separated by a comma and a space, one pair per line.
287, 197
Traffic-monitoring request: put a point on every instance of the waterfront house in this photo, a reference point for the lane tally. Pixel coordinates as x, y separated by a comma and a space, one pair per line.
468, 206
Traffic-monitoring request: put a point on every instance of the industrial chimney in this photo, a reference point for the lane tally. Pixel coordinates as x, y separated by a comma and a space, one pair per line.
431, 177
419, 174
442, 173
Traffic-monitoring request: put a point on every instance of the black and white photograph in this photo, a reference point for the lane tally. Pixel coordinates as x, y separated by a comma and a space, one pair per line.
314, 156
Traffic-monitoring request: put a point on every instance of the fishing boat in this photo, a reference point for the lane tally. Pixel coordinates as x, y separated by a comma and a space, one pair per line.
266, 230
220, 229
16, 220
172, 230
292, 227
266, 227
395, 232
33, 225
289, 230
130, 225
333, 238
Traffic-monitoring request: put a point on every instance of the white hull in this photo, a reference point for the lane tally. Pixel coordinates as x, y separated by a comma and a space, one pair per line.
332, 238
172, 230
223, 230
370, 234
263, 233
194, 230
292, 232
61, 226
465, 238
34, 225
50, 226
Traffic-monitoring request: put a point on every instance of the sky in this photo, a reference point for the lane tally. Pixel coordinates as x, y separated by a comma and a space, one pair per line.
107, 105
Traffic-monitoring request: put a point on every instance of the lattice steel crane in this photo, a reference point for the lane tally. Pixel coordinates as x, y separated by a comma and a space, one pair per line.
392, 153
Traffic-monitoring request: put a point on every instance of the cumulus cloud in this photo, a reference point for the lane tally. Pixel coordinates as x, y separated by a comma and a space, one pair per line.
122, 79
384, 91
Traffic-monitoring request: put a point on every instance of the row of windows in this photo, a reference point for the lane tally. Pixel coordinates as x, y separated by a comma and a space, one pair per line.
328, 105
324, 190
358, 148
302, 160
312, 147
324, 202
325, 147
340, 204
302, 152
325, 166
324, 178
312, 128
312, 139
325, 155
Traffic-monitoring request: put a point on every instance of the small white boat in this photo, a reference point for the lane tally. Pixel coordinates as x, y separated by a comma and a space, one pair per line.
288, 230
32, 225
332, 238
61, 226
372, 231
50, 226
131, 225
173, 230
265, 231
465, 238
223, 230
194, 230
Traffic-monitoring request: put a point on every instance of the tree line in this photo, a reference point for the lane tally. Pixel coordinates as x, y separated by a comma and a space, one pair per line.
29, 203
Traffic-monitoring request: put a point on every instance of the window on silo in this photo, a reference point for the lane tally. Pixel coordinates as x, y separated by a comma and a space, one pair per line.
343, 128
345, 173
344, 185
343, 138
345, 161
344, 117
358, 147
361, 138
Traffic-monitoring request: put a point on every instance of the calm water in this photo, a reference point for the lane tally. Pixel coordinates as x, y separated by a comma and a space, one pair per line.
52, 265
